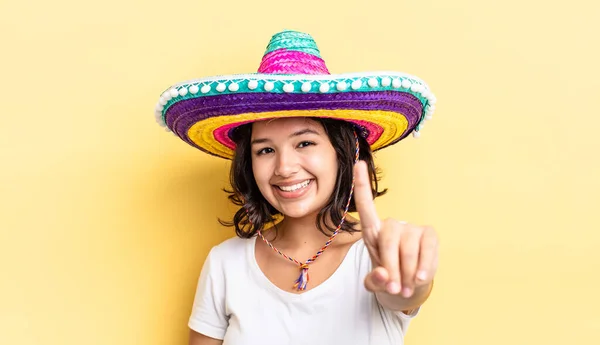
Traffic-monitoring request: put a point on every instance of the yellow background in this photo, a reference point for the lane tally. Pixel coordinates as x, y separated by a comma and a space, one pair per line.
106, 219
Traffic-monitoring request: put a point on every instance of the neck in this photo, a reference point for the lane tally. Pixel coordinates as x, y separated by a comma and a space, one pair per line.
303, 232
299, 232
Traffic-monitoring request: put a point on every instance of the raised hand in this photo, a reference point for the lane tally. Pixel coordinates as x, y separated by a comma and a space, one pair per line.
405, 256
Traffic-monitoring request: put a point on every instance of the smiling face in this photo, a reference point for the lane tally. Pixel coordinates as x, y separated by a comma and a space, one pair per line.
294, 165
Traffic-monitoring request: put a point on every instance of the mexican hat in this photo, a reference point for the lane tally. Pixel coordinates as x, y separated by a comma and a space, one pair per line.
293, 81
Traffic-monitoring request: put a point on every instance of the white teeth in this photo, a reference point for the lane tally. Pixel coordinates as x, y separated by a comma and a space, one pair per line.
294, 187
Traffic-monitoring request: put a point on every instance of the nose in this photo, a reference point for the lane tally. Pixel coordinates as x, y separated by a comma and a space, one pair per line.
286, 164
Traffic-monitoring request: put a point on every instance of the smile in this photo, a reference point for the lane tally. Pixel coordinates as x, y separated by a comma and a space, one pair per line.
295, 187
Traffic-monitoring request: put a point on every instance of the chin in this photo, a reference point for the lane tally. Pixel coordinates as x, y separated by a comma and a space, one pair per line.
298, 212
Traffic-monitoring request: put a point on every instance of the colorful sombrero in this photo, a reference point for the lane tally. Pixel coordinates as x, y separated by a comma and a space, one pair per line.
293, 81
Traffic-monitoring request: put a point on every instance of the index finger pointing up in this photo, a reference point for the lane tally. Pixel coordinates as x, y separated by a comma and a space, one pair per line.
363, 199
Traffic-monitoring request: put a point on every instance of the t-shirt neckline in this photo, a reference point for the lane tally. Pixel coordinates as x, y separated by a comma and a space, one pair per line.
323, 288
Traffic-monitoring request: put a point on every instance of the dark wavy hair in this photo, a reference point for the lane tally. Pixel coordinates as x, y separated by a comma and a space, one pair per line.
255, 211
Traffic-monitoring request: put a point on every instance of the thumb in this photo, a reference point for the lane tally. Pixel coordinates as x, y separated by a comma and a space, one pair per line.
377, 280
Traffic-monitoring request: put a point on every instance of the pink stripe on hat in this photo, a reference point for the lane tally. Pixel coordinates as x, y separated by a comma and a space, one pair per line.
283, 61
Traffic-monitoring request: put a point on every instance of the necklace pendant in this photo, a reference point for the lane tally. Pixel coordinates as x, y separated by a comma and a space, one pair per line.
302, 280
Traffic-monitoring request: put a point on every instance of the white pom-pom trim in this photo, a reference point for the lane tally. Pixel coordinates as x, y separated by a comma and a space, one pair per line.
205, 89
288, 88
253, 84
324, 88
306, 86
430, 109
194, 89
373, 82
432, 99
356, 84
341, 86
233, 87
386, 81
221, 87
183, 91
269, 86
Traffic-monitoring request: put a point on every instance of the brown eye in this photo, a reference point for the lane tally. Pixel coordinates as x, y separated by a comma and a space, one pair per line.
305, 143
264, 151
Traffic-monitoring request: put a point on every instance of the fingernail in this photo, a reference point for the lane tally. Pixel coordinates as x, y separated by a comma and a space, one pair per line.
422, 275
393, 288
407, 292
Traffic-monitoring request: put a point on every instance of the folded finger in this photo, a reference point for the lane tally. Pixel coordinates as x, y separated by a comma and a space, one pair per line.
389, 243
376, 280
427, 257
409, 258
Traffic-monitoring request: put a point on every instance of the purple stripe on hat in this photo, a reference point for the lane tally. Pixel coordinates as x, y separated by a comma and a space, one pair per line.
182, 115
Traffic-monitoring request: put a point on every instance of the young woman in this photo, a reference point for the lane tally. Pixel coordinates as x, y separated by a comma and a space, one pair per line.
301, 270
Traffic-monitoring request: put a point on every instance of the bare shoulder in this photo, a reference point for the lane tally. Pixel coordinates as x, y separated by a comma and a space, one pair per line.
200, 339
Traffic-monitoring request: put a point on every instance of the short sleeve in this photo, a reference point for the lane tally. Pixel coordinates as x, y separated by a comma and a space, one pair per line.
208, 315
395, 323
408, 316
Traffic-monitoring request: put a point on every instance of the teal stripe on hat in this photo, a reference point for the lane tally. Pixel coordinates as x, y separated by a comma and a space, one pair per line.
293, 40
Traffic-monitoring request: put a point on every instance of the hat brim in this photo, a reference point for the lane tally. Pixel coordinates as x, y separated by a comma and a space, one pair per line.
204, 112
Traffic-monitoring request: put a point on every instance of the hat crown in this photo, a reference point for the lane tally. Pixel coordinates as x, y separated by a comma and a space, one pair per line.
292, 52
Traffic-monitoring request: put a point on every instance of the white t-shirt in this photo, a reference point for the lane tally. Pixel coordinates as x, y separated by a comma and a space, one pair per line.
236, 302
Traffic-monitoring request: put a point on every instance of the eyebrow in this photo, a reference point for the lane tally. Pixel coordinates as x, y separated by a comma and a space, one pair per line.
295, 134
